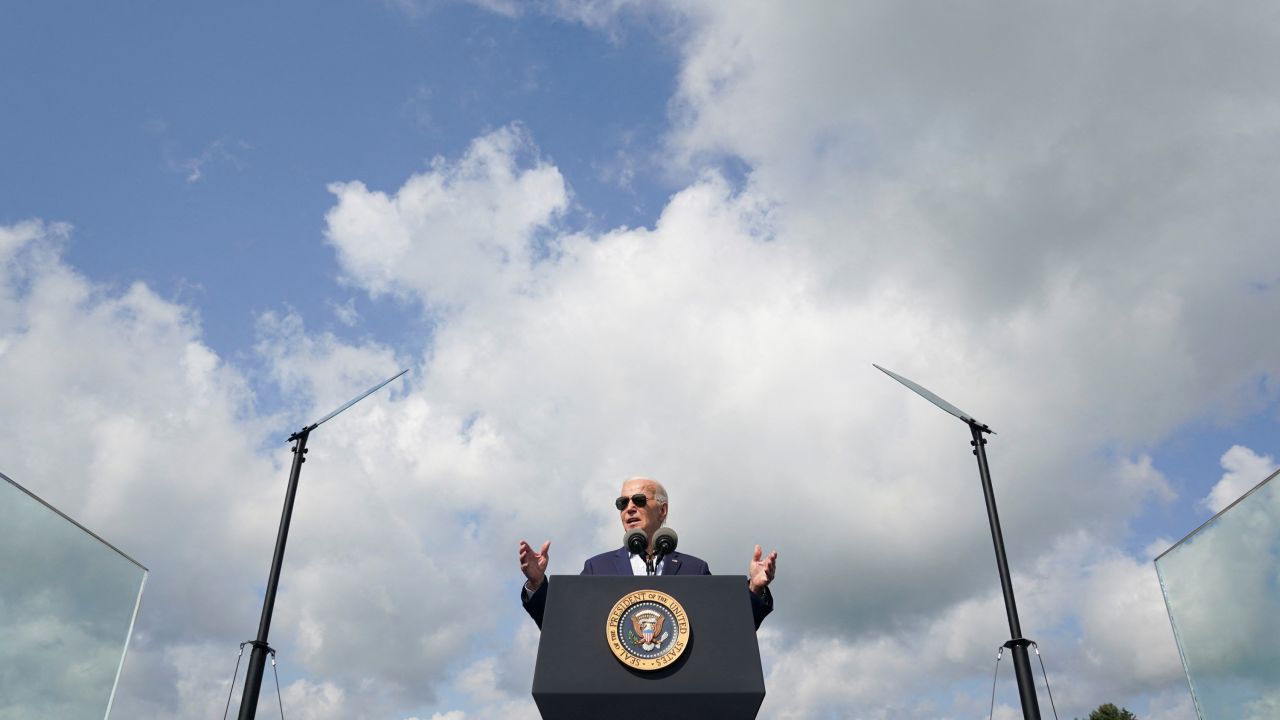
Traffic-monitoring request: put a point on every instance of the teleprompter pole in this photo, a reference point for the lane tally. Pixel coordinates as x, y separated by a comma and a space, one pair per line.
258, 659
1018, 644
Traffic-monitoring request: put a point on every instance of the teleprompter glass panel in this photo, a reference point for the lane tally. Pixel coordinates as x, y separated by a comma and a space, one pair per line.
1222, 588
68, 600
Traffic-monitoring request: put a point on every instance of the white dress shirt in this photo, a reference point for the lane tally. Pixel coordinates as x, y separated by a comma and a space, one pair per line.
638, 568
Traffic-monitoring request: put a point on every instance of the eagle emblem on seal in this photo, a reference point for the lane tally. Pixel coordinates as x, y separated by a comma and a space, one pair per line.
648, 627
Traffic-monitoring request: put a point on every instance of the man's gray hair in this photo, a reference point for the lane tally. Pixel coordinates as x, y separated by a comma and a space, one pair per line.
659, 492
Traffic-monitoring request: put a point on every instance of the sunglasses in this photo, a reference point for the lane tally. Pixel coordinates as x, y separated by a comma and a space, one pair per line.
639, 499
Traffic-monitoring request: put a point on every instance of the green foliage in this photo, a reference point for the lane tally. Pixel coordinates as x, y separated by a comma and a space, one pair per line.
1108, 711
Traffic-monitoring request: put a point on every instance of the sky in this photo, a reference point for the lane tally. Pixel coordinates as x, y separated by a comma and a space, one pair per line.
611, 238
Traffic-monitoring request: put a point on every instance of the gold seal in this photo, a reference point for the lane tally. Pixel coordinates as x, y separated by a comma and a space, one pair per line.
647, 630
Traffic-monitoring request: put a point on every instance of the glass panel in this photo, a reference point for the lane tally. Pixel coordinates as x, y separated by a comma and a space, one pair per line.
67, 604
1222, 588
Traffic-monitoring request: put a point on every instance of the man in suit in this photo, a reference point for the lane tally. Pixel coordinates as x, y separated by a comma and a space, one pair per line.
642, 506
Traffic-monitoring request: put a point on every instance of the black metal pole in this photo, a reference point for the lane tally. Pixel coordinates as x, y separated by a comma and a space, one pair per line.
1017, 645
258, 659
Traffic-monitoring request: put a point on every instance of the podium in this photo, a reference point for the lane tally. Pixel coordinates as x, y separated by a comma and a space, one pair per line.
718, 674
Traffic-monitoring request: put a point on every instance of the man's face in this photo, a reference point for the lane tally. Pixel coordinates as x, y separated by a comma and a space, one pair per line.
648, 518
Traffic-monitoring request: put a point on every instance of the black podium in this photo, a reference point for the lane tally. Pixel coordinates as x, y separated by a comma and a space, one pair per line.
718, 675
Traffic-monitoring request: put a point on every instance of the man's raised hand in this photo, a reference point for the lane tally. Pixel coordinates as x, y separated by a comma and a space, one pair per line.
760, 572
534, 564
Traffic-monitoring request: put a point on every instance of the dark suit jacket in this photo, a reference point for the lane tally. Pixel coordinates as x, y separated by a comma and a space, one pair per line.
618, 562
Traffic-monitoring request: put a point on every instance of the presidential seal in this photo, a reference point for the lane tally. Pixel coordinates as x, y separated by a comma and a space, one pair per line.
647, 630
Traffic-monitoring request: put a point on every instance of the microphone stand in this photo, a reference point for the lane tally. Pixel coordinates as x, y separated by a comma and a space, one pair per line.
258, 658
1018, 644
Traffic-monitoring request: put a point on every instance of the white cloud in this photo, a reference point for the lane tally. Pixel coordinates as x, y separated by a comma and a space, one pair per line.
967, 157
453, 233
1244, 469
1120, 608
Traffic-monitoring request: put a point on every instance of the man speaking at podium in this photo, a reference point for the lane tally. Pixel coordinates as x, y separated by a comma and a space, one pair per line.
642, 506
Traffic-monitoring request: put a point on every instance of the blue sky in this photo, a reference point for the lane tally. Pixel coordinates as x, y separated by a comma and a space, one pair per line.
615, 238
228, 122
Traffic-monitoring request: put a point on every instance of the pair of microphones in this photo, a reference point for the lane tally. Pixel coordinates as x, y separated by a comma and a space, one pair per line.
664, 543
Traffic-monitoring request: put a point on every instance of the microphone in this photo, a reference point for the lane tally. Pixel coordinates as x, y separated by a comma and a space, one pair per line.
664, 541
636, 542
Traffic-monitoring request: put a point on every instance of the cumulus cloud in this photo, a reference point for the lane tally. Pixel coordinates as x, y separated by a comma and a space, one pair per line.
984, 158
1244, 469
454, 231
